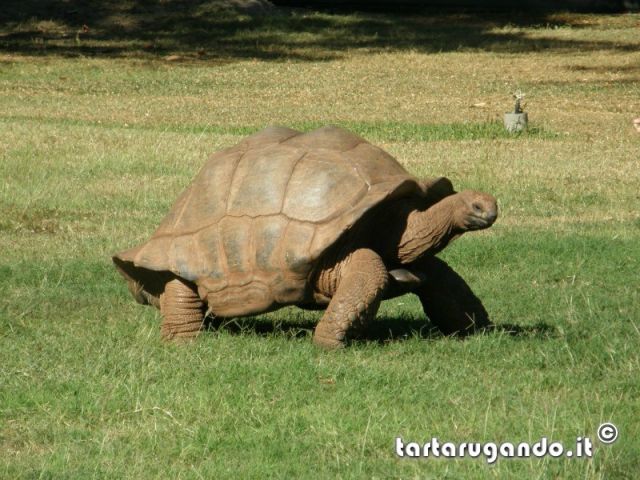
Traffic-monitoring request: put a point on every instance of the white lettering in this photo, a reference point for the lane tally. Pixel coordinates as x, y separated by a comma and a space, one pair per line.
448, 450
474, 450
524, 450
507, 450
399, 447
556, 449
490, 451
540, 448
412, 449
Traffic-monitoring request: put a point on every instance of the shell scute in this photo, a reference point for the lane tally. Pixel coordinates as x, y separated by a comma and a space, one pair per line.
321, 187
329, 138
236, 240
268, 232
296, 244
259, 182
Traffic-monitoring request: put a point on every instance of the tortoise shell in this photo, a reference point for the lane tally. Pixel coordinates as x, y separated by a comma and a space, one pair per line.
259, 215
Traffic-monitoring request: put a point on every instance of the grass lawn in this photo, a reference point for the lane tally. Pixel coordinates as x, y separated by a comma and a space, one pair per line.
101, 129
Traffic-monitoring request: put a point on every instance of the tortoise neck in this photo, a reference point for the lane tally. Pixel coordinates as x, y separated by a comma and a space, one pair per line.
426, 232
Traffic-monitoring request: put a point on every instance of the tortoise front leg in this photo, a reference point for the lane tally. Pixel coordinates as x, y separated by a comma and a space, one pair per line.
448, 300
182, 309
358, 282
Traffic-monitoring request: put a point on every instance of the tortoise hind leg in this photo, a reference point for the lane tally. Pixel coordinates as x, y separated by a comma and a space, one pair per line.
182, 309
362, 278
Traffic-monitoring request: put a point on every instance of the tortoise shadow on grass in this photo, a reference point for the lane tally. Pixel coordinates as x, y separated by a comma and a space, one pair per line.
381, 331
258, 325
387, 330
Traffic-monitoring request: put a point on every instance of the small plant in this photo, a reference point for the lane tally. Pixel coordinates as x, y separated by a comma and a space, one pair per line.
517, 120
518, 96
84, 29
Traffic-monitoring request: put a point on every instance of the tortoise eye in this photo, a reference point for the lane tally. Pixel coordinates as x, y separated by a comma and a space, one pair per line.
477, 207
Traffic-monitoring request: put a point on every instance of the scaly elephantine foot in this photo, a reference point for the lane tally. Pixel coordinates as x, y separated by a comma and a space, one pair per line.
326, 338
361, 279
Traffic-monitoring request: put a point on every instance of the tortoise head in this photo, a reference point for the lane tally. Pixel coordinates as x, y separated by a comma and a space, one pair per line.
428, 231
474, 210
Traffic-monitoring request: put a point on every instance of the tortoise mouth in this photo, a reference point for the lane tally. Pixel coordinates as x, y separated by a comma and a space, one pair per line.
480, 221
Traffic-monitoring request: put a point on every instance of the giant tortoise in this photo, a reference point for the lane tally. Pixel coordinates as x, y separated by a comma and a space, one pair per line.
322, 219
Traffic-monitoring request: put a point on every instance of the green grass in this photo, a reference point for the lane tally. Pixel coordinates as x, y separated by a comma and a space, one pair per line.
94, 150
389, 131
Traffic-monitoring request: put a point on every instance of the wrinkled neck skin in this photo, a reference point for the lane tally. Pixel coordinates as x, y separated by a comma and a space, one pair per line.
426, 232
